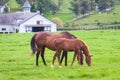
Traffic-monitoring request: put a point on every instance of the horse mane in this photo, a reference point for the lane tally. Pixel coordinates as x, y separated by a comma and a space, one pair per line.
85, 45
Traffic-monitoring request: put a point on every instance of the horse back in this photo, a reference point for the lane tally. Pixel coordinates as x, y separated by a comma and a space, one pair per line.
50, 41
41, 37
66, 44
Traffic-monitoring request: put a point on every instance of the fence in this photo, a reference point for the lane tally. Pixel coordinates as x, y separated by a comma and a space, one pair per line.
100, 28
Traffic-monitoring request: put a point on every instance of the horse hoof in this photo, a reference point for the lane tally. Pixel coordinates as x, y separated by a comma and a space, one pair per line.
52, 66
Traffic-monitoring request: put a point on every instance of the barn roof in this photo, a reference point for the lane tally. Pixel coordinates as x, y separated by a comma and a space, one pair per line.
11, 18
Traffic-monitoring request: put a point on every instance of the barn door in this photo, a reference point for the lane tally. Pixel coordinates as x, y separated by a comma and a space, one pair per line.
36, 29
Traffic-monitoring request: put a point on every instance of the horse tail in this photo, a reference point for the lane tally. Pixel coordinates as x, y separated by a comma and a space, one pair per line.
33, 47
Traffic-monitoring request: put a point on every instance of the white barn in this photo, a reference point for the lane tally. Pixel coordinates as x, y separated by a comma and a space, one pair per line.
34, 23
25, 21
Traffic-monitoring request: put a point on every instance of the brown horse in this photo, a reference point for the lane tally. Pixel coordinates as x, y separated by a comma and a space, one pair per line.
44, 39
71, 45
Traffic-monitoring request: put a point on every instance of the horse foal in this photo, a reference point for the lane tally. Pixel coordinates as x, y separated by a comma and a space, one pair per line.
75, 45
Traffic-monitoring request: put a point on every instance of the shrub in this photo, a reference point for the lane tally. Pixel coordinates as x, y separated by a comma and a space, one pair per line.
58, 22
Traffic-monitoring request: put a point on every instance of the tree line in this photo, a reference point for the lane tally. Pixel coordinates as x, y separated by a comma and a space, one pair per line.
77, 6
45, 6
86, 6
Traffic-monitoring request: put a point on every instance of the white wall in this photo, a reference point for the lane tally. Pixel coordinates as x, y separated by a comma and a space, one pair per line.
7, 28
2, 9
33, 21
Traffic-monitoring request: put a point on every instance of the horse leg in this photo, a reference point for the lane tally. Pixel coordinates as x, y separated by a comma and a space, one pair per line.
37, 57
73, 59
66, 58
81, 59
42, 55
58, 54
64, 54
54, 57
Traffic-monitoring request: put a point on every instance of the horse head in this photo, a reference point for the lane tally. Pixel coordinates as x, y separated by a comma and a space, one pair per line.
88, 60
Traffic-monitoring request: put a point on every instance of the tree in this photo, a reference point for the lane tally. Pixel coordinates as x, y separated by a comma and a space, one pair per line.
92, 5
44, 5
75, 7
20, 2
82, 6
2, 2
104, 4
60, 2
33, 7
54, 8
6, 9
58, 22
85, 6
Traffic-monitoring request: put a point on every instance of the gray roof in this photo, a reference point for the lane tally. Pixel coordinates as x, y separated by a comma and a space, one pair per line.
26, 4
11, 18
1, 6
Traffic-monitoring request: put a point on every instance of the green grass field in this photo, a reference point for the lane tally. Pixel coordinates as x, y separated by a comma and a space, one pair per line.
17, 64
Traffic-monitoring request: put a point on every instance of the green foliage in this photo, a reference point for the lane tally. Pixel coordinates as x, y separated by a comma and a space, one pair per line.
117, 2
44, 5
82, 6
6, 9
33, 7
17, 64
54, 8
58, 22
104, 4
14, 6
21, 2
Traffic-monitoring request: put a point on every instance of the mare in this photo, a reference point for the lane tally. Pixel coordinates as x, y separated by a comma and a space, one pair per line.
44, 39
75, 45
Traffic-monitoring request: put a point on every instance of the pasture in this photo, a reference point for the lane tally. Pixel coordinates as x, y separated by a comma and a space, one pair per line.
16, 63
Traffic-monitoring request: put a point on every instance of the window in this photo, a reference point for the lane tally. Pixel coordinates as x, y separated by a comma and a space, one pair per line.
3, 29
39, 22
28, 29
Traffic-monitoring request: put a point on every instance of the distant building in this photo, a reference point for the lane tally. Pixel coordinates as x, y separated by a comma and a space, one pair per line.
2, 9
25, 21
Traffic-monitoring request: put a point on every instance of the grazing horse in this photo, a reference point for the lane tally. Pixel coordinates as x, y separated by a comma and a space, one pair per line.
75, 45
44, 39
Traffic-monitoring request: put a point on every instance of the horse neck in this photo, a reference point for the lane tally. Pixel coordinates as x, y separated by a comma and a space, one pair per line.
85, 49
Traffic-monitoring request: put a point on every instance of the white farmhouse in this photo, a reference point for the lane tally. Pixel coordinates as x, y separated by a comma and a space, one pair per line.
25, 21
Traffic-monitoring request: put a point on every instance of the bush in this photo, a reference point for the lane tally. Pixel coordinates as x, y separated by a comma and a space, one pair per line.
58, 22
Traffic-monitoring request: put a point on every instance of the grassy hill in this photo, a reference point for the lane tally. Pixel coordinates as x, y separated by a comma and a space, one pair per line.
107, 19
